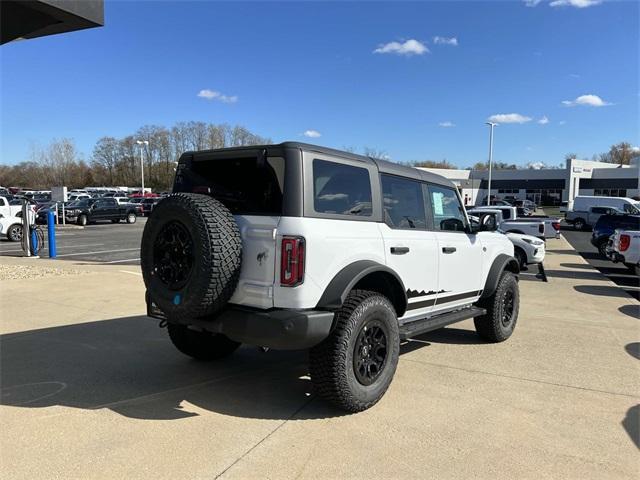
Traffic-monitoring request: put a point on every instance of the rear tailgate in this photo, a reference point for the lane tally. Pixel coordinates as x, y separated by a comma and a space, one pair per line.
255, 288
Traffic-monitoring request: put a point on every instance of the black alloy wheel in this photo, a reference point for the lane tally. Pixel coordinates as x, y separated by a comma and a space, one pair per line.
173, 255
370, 352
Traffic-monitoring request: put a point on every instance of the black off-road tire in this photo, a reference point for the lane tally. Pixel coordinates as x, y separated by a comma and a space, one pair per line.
213, 256
14, 232
499, 322
201, 345
331, 363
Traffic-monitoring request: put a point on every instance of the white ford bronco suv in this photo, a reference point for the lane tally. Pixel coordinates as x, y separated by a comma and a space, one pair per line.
295, 246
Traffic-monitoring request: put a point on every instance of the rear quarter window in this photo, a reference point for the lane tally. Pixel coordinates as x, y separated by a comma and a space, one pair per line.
341, 189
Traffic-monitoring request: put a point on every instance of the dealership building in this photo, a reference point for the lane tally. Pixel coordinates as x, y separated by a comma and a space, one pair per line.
548, 186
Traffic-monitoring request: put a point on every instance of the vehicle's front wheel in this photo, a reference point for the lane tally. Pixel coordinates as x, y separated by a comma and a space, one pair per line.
353, 367
131, 218
521, 258
82, 220
602, 248
502, 310
201, 345
14, 233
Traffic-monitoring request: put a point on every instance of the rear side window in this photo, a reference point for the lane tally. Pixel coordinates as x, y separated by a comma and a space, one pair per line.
403, 203
247, 186
447, 211
600, 210
341, 189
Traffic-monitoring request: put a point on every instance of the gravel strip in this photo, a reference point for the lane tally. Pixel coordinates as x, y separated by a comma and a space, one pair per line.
22, 272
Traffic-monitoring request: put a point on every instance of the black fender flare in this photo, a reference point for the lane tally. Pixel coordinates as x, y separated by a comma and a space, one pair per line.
343, 282
501, 263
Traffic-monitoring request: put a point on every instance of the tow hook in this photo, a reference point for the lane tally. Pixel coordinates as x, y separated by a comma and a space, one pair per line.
162, 324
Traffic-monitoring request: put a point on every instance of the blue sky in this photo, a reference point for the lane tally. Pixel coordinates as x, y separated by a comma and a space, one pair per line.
282, 69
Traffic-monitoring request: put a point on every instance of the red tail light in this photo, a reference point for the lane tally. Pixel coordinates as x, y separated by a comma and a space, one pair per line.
625, 241
556, 226
292, 261
541, 228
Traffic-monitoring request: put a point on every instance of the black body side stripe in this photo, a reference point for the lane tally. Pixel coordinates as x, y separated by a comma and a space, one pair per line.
441, 300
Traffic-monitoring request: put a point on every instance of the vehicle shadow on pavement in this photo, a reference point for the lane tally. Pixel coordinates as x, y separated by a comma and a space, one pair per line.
602, 290
576, 274
633, 349
631, 424
632, 311
128, 365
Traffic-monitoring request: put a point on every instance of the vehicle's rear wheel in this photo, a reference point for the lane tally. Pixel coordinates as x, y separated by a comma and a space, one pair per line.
201, 345
502, 310
579, 224
131, 218
191, 256
14, 232
353, 367
82, 220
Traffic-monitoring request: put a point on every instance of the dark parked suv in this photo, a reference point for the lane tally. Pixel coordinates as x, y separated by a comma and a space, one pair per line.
607, 224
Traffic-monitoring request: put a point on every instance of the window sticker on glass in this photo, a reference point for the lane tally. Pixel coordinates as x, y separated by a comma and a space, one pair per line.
437, 203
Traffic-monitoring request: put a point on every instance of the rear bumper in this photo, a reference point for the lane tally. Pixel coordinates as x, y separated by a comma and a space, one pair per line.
277, 329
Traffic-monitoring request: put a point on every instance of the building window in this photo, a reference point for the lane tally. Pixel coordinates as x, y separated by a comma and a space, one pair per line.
610, 192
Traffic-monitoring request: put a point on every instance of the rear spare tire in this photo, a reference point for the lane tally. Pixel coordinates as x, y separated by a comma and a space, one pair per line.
191, 255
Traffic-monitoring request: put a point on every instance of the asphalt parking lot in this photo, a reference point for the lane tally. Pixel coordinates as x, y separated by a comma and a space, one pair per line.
103, 242
615, 272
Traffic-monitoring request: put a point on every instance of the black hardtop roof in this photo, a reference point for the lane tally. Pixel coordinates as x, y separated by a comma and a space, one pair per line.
383, 165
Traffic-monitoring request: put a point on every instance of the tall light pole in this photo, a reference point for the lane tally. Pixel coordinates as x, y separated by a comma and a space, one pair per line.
491, 125
141, 143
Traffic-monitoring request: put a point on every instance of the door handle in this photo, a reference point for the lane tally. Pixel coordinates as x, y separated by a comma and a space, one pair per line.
399, 250
448, 249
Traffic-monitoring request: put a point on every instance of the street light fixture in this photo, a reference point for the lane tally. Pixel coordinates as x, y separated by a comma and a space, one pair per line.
141, 143
491, 124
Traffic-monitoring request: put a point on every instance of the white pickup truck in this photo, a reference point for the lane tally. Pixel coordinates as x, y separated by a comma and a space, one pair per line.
8, 210
624, 247
536, 225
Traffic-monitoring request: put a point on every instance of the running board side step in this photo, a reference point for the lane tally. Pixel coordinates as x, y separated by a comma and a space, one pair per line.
418, 327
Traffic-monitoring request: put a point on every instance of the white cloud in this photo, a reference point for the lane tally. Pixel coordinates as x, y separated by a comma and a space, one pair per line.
635, 149
575, 3
564, 3
562, 122
446, 124
587, 101
508, 118
544, 120
536, 165
213, 95
408, 48
312, 133
453, 41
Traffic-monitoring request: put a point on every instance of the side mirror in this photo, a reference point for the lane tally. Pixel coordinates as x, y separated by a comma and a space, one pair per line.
488, 223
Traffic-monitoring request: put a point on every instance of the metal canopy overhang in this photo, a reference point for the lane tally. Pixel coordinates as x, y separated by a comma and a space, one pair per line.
24, 19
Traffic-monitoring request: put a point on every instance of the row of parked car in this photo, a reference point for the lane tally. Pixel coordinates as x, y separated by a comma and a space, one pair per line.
89, 210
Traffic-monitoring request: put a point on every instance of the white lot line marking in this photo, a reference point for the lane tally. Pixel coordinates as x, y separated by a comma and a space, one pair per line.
100, 251
131, 273
120, 261
58, 247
